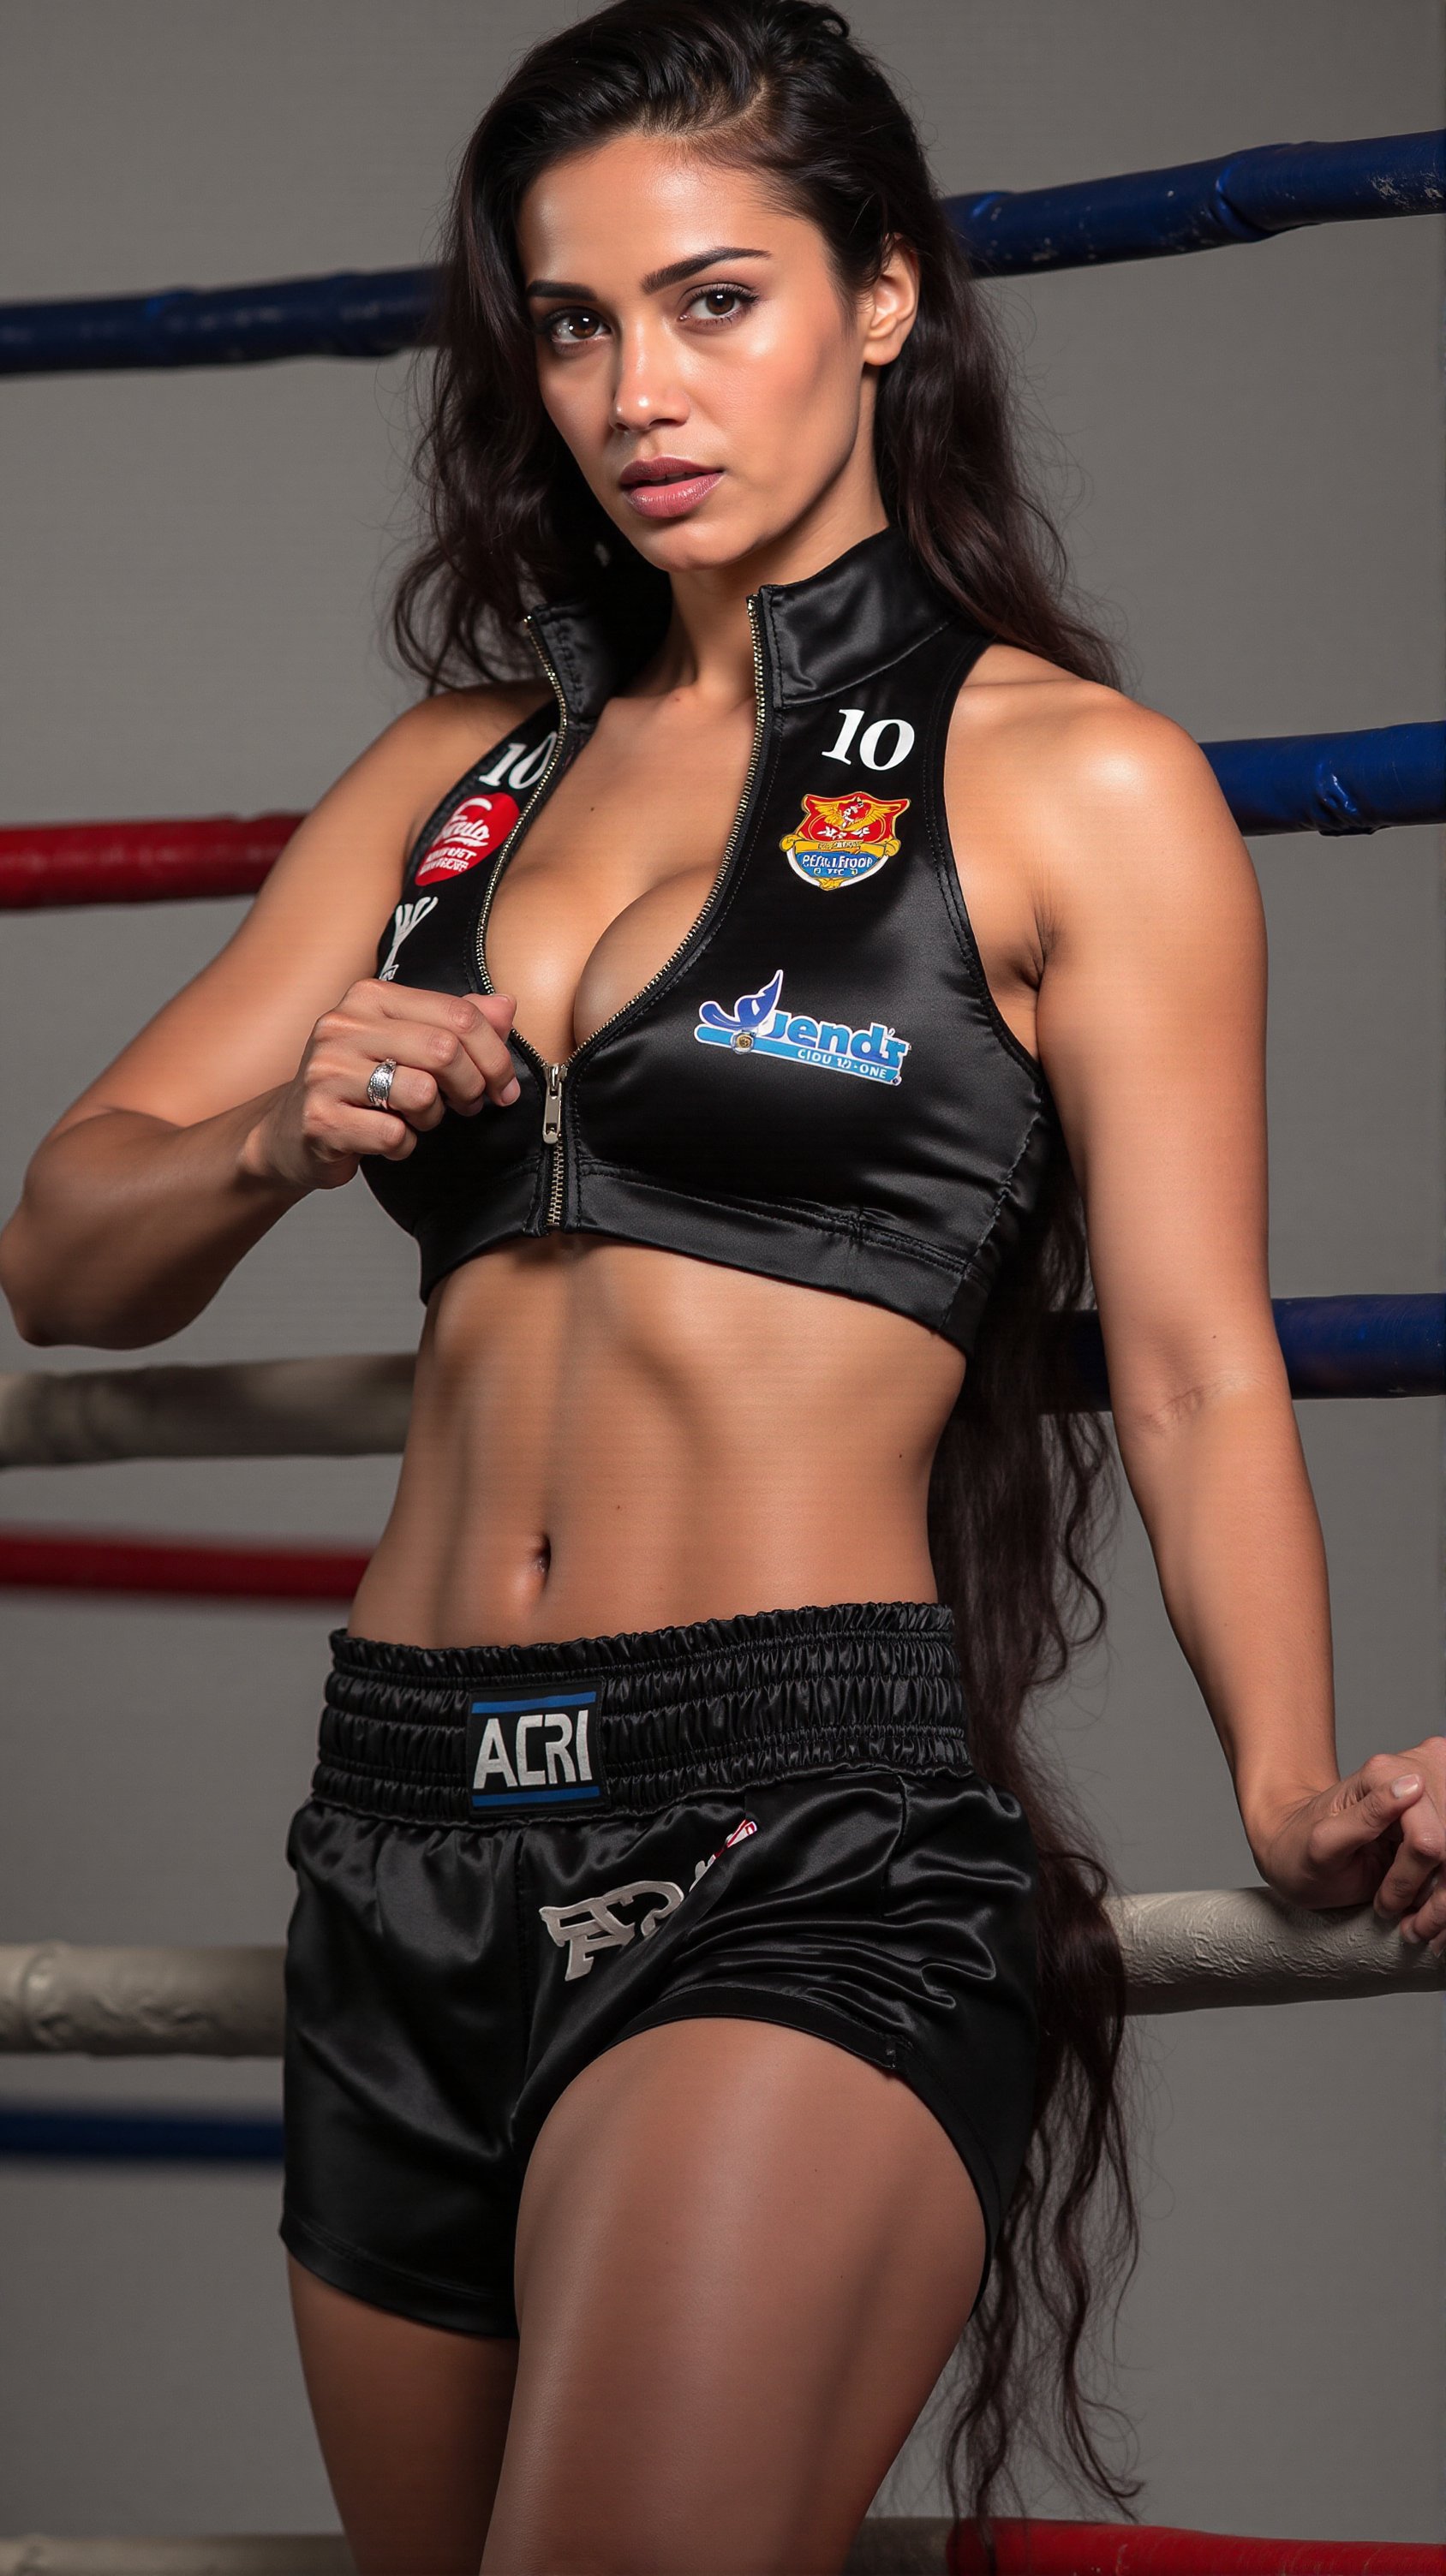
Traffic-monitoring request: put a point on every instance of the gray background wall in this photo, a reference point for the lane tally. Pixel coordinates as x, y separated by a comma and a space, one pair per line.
1247, 446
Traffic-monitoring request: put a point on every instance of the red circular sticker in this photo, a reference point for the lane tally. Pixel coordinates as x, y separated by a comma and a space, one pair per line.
479, 825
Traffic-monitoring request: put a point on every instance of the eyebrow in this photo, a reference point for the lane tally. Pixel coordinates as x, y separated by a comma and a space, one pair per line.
656, 278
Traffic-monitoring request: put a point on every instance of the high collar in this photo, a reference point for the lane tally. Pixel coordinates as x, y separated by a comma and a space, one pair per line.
866, 609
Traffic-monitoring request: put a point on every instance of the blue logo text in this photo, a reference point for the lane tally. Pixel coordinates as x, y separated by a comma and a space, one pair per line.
759, 1024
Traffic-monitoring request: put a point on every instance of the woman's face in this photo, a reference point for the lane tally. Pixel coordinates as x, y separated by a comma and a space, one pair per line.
695, 352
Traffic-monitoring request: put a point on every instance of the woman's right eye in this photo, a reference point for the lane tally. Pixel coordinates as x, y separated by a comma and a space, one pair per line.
571, 328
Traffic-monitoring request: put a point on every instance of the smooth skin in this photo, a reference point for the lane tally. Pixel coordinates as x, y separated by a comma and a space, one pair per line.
744, 2254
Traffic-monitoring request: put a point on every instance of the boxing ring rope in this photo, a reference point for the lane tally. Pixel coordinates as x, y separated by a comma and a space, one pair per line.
1191, 1951
1197, 1950
1340, 783
1137, 214
44, 865
884, 2547
1335, 783
312, 1408
358, 1406
1200, 1950
94, 1561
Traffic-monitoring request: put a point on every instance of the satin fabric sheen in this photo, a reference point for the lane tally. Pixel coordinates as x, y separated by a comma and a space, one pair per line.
905, 1193
884, 1901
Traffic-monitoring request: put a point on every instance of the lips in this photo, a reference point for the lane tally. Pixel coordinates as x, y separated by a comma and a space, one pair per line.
662, 469
667, 487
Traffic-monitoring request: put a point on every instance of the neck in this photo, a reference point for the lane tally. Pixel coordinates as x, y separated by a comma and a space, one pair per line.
708, 646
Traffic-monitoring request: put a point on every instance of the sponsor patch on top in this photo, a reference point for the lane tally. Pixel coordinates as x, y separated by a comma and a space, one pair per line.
761, 1024
479, 825
843, 839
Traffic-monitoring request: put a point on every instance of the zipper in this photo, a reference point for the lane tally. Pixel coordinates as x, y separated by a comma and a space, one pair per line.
554, 1075
551, 1073
552, 1137
543, 787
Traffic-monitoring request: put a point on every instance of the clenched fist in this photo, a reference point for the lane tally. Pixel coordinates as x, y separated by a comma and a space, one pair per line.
450, 1053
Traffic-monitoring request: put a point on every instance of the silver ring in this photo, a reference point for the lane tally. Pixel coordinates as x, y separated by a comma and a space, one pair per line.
379, 1083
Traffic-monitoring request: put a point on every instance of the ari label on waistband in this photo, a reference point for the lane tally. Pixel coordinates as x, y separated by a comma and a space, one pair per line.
536, 1752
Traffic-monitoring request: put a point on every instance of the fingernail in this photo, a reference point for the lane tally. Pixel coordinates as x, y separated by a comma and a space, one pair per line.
1402, 1788
511, 1093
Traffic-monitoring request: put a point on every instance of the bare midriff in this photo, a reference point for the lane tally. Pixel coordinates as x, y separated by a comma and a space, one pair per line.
606, 1437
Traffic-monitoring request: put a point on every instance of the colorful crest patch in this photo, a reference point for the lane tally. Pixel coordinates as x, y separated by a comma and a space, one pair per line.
843, 839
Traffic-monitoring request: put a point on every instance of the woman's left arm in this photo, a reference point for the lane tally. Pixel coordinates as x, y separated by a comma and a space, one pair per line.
1151, 1020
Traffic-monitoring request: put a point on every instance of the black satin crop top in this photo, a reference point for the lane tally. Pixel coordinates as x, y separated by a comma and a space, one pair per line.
817, 1085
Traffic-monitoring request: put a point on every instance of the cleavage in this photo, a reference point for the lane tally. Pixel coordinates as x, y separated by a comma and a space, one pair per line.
608, 880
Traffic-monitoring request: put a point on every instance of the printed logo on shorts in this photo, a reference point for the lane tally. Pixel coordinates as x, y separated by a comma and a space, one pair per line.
536, 1752
843, 839
479, 825
597, 1923
760, 1024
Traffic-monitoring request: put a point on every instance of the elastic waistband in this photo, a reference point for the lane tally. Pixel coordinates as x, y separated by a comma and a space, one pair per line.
487, 1735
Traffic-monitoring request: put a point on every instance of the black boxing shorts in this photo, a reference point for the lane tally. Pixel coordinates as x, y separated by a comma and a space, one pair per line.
513, 1857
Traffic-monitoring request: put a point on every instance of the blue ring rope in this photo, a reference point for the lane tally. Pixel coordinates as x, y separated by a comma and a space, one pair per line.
1332, 1346
1138, 214
84, 2136
1202, 205
1336, 783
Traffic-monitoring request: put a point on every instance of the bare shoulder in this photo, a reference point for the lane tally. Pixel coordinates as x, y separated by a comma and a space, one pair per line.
1099, 797
354, 842
430, 745
1067, 741
239, 1026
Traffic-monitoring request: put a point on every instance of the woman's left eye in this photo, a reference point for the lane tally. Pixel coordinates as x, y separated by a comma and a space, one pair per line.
719, 303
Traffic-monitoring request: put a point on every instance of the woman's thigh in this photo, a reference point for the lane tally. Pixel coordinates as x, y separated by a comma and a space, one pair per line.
411, 2422
744, 2257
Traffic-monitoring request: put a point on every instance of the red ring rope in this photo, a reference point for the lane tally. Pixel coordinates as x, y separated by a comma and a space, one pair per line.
63, 863
93, 1561
1139, 2549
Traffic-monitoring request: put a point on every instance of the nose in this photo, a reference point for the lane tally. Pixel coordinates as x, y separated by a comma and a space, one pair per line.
647, 393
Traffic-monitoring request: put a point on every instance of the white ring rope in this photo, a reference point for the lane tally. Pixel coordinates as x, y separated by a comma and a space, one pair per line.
311, 2553
62, 1998
312, 1408
1196, 1952
884, 2547
1184, 1953
1214, 1946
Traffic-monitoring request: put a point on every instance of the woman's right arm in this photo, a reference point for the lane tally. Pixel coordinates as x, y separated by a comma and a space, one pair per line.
247, 1091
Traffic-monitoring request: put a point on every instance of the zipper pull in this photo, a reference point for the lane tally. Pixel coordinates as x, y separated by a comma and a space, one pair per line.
552, 1107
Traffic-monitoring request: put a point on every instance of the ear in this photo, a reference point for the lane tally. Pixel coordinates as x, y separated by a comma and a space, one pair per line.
890, 304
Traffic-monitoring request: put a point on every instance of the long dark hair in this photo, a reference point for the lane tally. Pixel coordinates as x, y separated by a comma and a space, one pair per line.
1022, 1489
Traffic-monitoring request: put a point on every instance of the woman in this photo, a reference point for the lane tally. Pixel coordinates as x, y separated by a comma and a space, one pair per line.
786, 949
